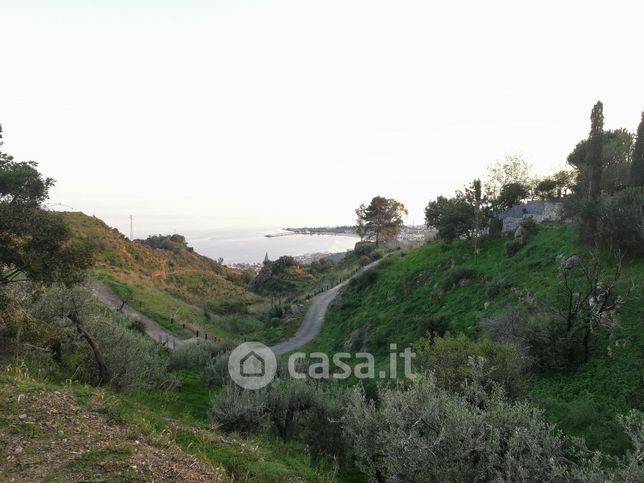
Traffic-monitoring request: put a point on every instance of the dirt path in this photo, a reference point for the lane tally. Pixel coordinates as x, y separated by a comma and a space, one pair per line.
314, 318
108, 298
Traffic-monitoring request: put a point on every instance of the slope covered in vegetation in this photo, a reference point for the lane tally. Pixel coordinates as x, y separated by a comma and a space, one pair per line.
162, 277
442, 288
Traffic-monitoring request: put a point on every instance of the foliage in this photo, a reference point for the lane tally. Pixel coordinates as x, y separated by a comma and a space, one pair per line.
281, 279
215, 373
361, 220
637, 166
102, 347
456, 276
174, 243
512, 170
279, 404
382, 218
616, 149
469, 437
34, 243
621, 224
227, 306
512, 247
495, 286
452, 217
450, 359
510, 195
192, 355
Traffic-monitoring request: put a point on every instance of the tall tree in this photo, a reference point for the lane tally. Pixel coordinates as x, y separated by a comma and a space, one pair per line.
475, 198
383, 218
637, 168
361, 228
592, 176
594, 155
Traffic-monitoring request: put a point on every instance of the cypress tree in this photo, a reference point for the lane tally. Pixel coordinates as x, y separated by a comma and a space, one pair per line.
637, 168
593, 164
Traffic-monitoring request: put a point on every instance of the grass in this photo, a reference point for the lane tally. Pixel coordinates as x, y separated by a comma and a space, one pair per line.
446, 288
104, 435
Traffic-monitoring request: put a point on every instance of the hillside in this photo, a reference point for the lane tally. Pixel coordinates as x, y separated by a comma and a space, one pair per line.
75, 432
173, 285
444, 288
177, 269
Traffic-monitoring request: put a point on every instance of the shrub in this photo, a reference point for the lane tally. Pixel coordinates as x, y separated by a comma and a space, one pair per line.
450, 360
134, 360
364, 280
192, 355
137, 326
276, 311
281, 404
216, 371
364, 248
622, 221
494, 287
426, 434
235, 409
456, 276
512, 247
227, 307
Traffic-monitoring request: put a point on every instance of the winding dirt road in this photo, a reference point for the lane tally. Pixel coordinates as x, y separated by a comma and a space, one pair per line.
314, 317
152, 328
310, 327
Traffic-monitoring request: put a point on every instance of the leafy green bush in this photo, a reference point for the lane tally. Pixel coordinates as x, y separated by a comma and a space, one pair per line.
192, 355
456, 276
512, 247
450, 359
364, 248
235, 409
364, 280
495, 286
622, 221
227, 306
216, 371
425, 433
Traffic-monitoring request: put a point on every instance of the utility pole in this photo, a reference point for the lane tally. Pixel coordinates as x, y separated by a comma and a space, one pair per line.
131, 229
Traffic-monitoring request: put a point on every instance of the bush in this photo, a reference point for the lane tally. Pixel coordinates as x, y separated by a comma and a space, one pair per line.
281, 404
494, 287
426, 434
512, 247
364, 248
227, 307
622, 221
134, 360
192, 355
364, 280
456, 276
235, 409
137, 326
216, 371
450, 360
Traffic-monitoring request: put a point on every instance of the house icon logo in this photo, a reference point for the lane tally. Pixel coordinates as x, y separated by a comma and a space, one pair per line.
252, 365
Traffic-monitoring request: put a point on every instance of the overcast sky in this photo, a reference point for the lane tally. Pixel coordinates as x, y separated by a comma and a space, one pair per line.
256, 113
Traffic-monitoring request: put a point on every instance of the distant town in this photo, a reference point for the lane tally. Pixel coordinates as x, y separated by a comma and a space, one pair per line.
409, 235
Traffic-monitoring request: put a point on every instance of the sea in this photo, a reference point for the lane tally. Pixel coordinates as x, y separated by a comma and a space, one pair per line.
250, 245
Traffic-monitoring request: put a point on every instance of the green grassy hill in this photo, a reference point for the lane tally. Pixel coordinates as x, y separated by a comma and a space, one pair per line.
438, 288
173, 285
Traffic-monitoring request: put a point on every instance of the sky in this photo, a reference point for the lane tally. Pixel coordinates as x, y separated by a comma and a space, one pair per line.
220, 114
